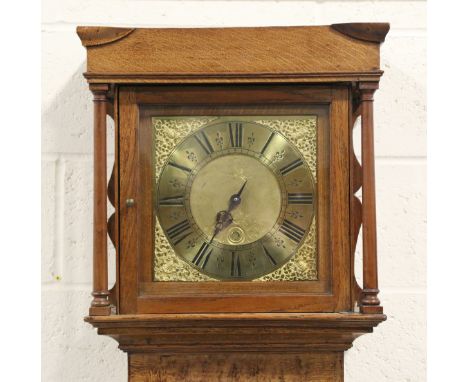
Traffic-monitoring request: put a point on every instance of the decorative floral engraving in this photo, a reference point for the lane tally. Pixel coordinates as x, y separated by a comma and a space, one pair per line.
279, 155
219, 261
295, 182
295, 214
251, 140
176, 183
279, 242
191, 156
219, 140
252, 259
175, 215
191, 243
302, 132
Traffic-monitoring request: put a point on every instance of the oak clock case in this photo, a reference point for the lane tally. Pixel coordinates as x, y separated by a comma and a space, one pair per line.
237, 198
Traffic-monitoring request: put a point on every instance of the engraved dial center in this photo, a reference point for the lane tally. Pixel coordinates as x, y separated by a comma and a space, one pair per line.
221, 178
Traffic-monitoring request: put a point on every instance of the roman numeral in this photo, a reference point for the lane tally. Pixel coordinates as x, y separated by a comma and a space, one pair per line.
298, 198
235, 134
267, 254
202, 139
179, 166
172, 201
291, 166
179, 232
235, 265
267, 142
200, 256
292, 231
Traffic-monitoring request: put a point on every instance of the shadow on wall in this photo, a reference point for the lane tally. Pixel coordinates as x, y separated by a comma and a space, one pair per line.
72, 351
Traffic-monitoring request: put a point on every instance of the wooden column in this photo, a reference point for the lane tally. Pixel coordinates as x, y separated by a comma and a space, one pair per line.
369, 303
100, 305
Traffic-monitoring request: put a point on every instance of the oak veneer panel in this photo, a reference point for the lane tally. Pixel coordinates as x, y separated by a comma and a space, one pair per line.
339, 195
128, 117
218, 54
235, 367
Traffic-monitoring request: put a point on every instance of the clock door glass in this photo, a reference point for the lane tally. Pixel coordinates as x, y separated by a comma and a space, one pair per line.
235, 198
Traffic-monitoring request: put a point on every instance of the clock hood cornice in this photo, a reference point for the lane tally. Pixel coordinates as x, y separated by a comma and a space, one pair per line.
307, 54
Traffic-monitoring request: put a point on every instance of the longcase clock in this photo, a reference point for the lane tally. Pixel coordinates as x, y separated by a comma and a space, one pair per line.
234, 191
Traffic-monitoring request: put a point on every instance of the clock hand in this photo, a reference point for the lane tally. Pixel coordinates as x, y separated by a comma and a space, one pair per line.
216, 231
235, 199
242, 188
224, 218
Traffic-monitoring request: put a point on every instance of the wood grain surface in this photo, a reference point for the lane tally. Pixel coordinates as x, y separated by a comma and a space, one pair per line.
323, 367
278, 54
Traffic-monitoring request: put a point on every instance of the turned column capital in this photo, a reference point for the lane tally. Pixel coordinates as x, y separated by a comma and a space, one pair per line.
99, 88
100, 92
366, 90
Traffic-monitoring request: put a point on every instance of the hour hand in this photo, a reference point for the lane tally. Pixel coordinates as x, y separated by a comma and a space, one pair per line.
223, 219
235, 199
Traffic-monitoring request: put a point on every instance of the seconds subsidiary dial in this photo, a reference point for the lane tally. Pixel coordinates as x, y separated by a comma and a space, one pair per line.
235, 200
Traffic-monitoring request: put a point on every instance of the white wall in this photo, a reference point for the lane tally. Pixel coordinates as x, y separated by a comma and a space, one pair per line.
71, 349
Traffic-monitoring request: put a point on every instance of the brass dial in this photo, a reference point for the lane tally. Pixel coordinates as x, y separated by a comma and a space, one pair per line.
235, 200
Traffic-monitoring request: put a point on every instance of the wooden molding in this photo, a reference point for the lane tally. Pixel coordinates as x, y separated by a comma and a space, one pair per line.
218, 78
253, 332
94, 36
371, 32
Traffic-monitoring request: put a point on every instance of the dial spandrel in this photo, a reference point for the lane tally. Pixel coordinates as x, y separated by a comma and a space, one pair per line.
235, 200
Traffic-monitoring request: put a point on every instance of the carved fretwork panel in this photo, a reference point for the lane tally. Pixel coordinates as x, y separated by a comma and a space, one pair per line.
111, 190
111, 227
355, 202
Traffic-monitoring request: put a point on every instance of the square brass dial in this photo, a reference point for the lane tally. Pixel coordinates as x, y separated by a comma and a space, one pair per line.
168, 132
